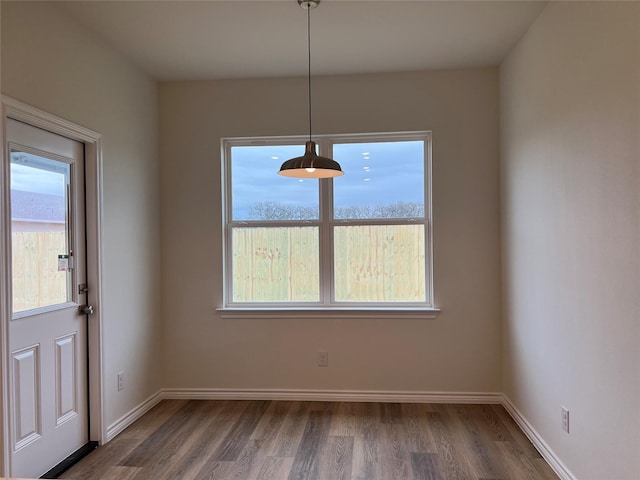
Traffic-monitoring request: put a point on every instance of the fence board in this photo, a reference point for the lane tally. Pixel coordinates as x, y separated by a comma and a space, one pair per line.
35, 276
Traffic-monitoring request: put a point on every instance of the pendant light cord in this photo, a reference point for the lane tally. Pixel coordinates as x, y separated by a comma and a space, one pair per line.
309, 62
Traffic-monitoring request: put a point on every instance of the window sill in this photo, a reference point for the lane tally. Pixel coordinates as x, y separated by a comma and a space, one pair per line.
332, 312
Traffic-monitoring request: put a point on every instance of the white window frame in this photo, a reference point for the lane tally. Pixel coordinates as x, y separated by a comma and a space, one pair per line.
326, 306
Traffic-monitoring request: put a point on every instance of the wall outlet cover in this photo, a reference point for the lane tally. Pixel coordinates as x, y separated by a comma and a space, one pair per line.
565, 419
323, 359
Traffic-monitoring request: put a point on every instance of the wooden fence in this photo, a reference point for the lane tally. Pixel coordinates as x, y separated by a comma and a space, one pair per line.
380, 263
275, 264
36, 279
373, 264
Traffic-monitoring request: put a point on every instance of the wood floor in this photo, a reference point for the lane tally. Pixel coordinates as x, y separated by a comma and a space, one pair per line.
203, 439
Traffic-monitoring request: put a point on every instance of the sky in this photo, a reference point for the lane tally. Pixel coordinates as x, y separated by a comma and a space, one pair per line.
31, 173
374, 173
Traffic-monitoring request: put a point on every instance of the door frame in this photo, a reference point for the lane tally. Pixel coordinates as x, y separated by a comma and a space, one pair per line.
10, 108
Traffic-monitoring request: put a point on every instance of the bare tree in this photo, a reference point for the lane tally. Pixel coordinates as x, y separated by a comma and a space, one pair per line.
270, 210
390, 210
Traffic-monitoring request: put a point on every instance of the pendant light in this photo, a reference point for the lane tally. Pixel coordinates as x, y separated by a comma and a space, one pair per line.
310, 165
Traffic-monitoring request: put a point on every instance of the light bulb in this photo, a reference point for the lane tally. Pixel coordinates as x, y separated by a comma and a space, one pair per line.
310, 170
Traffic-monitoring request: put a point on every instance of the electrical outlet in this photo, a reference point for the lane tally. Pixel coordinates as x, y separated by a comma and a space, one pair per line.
323, 359
120, 381
565, 419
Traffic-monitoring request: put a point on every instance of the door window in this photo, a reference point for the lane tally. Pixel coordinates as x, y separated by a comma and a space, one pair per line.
42, 260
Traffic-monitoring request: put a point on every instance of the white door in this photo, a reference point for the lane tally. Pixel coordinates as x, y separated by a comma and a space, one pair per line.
47, 333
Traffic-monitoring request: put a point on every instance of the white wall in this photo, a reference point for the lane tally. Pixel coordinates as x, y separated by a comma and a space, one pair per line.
570, 133
460, 351
52, 63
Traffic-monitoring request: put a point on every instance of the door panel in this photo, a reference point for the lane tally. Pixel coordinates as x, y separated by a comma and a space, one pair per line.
26, 397
47, 335
66, 377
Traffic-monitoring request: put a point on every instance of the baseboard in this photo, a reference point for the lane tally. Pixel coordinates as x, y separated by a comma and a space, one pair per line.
550, 457
330, 395
133, 415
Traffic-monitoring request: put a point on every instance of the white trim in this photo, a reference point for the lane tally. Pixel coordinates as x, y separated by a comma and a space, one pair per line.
325, 223
329, 312
331, 395
134, 414
549, 456
93, 173
39, 118
93, 207
5, 302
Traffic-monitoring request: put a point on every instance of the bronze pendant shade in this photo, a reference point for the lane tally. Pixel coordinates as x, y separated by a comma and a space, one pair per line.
310, 165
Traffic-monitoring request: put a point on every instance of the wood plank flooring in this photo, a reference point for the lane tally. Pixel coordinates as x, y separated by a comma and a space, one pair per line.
273, 440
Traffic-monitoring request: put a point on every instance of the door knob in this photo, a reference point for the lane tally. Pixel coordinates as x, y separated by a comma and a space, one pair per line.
85, 309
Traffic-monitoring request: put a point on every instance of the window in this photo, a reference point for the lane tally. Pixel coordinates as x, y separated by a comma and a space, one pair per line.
361, 241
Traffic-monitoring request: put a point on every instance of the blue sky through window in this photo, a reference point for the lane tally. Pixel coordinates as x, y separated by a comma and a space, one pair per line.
379, 174
255, 179
31, 173
376, 173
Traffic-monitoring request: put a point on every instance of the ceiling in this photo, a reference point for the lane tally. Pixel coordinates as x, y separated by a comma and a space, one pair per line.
196, 40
